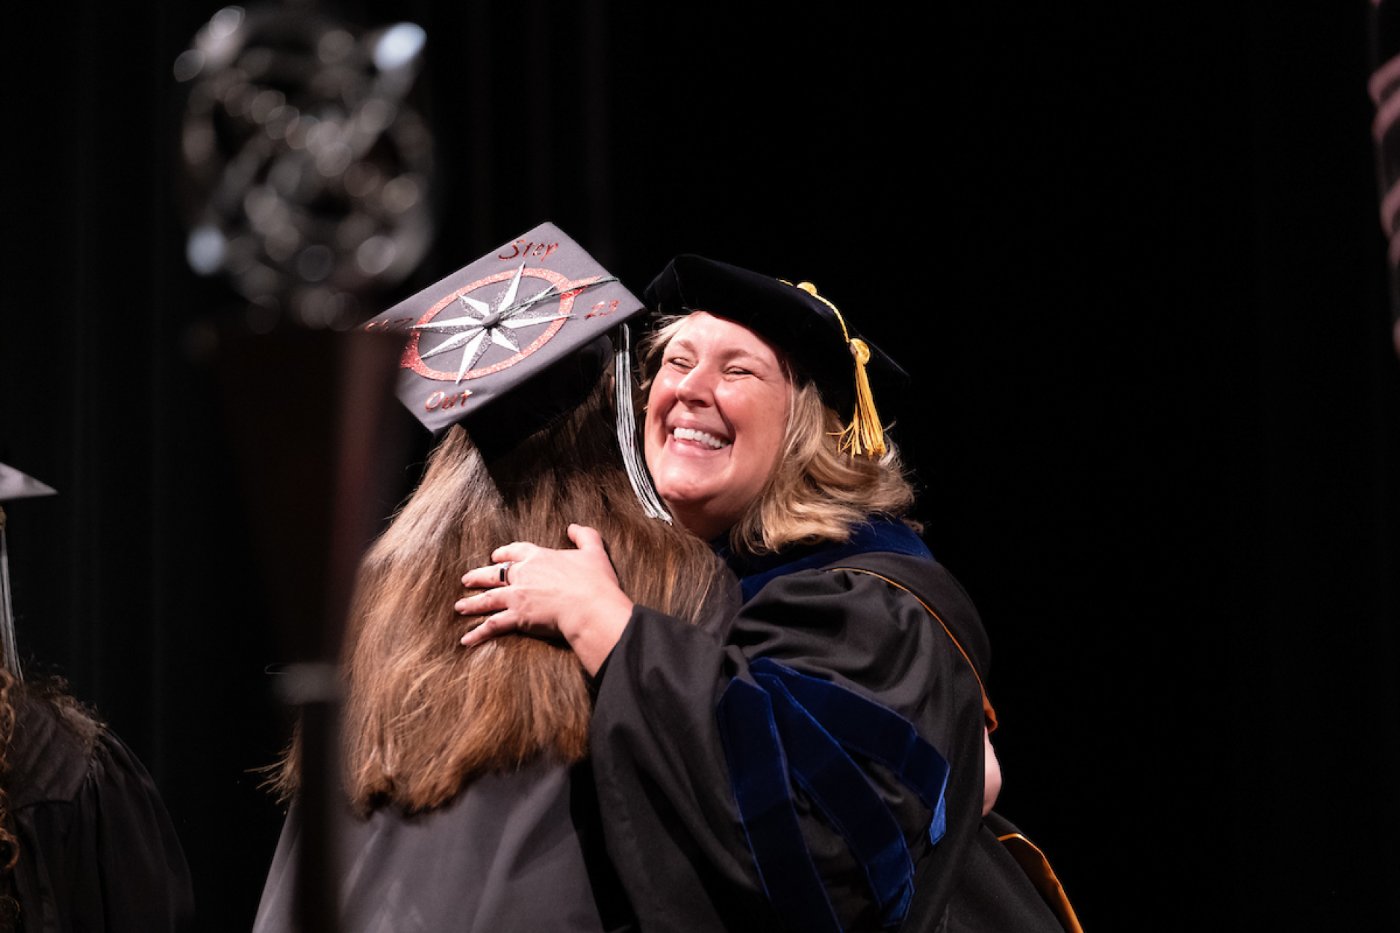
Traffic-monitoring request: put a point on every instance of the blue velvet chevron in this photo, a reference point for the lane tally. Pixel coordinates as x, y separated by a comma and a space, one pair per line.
789, 729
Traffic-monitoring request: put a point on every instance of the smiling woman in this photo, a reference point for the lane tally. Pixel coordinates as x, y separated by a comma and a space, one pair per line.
717, 413
813, 490
821, 762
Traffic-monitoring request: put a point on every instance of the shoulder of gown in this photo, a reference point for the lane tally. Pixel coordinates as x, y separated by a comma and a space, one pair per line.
478, 863
97, 847
664, 784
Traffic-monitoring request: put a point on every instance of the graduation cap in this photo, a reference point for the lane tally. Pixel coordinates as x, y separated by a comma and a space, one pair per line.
511, 340
800, 322
13, 485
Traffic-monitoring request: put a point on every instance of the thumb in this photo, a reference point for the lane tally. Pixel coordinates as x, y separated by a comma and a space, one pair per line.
585, 538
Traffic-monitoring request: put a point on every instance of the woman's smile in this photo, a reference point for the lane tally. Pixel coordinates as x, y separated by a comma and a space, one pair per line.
697, 436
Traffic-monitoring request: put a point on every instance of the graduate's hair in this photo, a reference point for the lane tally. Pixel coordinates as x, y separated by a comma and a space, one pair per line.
817, 492
424, 716
9, 841
73, 716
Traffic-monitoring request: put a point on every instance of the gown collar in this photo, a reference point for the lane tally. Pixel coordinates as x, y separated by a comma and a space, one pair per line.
876, 534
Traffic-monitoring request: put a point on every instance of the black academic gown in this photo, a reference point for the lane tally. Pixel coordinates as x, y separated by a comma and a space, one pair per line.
668, 792
97, 852
507, 855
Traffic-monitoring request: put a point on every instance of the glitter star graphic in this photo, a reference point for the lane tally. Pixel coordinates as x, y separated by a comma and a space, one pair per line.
481, 325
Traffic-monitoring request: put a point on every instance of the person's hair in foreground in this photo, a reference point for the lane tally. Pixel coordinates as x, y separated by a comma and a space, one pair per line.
422, 717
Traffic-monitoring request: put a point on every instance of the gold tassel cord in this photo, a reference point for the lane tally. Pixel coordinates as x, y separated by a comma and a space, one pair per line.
865, 435
811, 289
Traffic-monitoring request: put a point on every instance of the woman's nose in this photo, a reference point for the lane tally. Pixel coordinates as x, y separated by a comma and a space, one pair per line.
696, 387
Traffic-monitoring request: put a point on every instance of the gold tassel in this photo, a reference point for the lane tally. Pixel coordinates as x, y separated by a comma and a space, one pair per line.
864, 436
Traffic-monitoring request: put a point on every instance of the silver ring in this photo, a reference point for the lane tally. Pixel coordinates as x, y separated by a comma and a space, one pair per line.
505, 569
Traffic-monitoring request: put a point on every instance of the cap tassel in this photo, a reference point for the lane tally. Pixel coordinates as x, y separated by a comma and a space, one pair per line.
864, 436
632, 459
9, 647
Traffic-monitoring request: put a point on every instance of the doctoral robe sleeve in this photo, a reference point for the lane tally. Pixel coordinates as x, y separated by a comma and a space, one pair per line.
665, 785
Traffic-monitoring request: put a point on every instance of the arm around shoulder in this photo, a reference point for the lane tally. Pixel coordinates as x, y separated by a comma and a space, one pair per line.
665, 754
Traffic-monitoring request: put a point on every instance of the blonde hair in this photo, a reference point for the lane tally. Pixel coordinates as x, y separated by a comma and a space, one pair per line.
817, 492
423, 716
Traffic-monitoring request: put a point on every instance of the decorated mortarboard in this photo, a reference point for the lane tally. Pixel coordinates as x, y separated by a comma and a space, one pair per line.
13, 485
492, 326
803, 324
503, 342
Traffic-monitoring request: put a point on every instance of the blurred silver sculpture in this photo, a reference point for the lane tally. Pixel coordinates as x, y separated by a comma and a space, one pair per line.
307, 173
1385, 128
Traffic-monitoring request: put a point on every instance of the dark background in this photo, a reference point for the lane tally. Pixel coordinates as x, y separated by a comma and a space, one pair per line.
1132, 258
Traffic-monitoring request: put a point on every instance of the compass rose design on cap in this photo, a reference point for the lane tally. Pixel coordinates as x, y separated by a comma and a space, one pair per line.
488, 328
484, 324
481, 325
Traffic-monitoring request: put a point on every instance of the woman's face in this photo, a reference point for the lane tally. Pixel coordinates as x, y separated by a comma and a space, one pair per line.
716, 417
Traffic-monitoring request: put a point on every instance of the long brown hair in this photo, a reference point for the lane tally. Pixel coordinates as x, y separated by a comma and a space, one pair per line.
424, 717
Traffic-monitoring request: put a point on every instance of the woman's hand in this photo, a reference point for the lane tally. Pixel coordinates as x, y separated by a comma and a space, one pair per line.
991, 774
542, 592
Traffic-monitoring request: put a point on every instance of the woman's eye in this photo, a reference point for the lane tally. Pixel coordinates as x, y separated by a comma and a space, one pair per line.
738, 371
679, 362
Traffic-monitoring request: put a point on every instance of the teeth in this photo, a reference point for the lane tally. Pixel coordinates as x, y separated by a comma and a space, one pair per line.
690, 434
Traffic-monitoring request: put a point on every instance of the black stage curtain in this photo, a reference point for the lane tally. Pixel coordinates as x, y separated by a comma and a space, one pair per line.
1132, 258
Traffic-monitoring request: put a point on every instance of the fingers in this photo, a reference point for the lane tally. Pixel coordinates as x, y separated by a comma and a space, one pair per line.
491, 602
500, 619
480, 604
533, 590
482, 578
490, 576
497, 573
516, 550
501, 623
